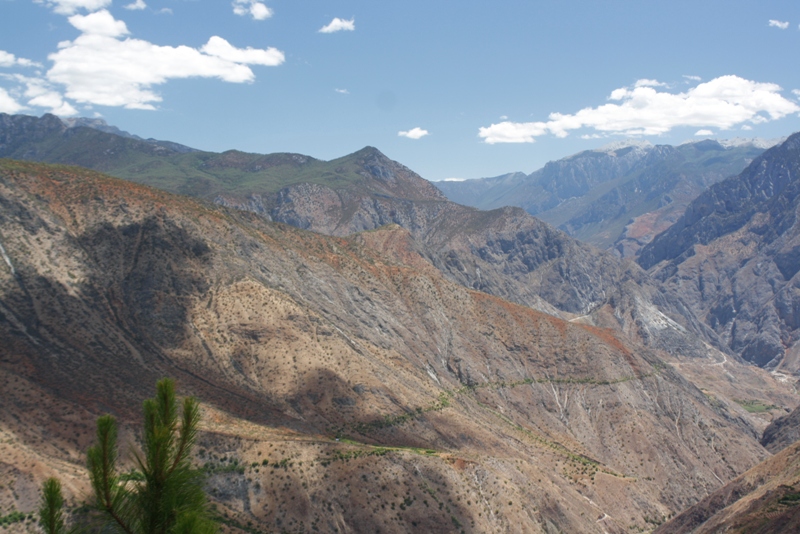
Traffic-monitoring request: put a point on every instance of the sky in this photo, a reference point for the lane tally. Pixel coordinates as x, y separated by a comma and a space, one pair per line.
451, 89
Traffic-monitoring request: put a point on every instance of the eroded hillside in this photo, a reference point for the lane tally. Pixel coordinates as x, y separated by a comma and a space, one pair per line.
347, 385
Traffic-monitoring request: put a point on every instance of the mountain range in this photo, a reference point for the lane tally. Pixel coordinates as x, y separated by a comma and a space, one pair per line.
618, 196
371, 355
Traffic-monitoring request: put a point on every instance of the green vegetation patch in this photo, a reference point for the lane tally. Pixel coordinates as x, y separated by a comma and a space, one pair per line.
14, 517
790, 499
755, 406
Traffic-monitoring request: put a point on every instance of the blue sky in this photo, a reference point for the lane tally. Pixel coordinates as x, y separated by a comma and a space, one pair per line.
460, 89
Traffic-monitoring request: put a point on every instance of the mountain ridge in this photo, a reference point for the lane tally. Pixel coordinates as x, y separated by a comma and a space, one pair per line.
618, 196
505, 252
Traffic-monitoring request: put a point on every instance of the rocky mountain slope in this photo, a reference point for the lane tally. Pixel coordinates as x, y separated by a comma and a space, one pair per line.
347, 384
765, 499
619, 196
782, 432
734, 257
505, 252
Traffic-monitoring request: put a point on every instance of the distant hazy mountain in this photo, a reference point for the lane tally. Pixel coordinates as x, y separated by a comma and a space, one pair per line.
617, 196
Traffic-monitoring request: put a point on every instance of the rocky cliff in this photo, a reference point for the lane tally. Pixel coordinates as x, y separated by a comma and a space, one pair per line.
734, 257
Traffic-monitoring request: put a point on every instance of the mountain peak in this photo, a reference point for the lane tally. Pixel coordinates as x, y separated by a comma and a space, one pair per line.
368, 152
624, 143
736, 142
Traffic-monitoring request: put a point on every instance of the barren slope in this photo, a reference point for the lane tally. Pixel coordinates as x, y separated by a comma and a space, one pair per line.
344, 389
764, 500
505, 252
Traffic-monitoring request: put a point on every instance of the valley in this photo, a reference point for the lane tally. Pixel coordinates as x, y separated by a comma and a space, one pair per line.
373, 357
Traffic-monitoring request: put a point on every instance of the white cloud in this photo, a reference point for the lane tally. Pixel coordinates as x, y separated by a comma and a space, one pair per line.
138, 5
8, 104
342, 91
337, 25
69, 7
454, 180
704, 133
692, 78
164, 11
649, 83
99, 67
7, 59
255, 9
513, 132
746, 127
796, 92
99, 23
778, 24
414, 133
55, 104
219, 47
720, 103
40, 93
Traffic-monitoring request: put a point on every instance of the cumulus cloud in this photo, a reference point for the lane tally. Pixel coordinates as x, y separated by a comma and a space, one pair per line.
414, 133
257, 10
720, 103
649, 83
8, 104
99, 23
778, 24
691, 78
40, 93
100, 67
342, 91
70, 7
338, 25
54, 103
138, 5
704, 132
796, 92
7, 59
219, 47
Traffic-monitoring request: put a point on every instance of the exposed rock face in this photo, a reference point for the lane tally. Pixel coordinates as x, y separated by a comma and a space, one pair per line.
23, 132
734, 257
617, 197
507, 253
530, 423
